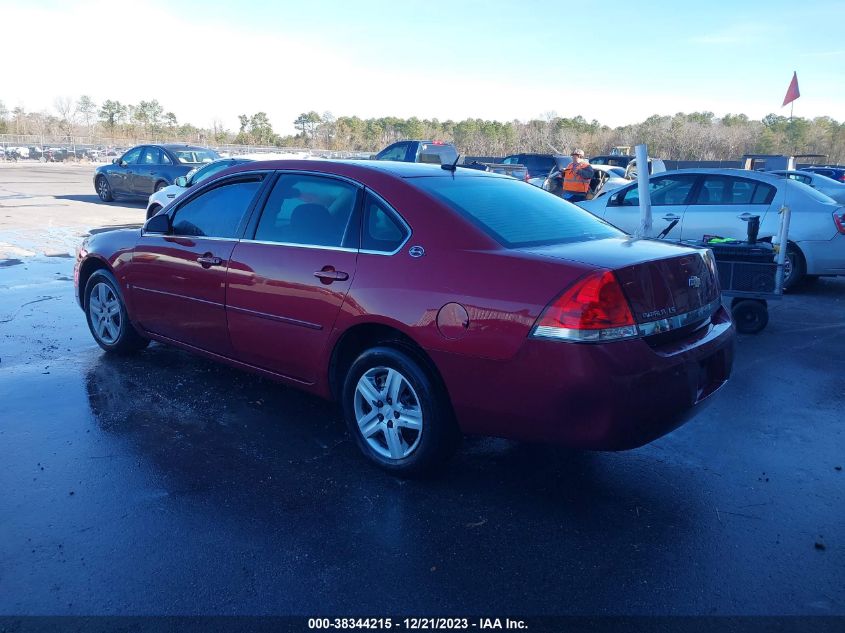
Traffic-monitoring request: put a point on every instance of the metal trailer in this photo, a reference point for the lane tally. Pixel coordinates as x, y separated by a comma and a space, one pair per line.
752, 279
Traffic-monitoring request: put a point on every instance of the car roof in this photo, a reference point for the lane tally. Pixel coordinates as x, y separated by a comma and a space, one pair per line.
738, 173
361, 167
175, 146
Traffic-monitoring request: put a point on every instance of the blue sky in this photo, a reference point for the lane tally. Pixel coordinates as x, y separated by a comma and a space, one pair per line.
614, 62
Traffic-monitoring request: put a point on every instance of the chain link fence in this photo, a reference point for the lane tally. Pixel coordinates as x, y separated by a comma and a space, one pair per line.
102, 148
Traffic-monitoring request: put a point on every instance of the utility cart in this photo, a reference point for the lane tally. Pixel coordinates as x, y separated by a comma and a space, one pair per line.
751, 272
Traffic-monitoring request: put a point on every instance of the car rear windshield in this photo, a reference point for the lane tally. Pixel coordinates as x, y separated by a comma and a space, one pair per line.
195, 156
516, 214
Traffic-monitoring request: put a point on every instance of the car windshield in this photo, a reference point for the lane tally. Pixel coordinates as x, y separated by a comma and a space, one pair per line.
515, 214
195, 156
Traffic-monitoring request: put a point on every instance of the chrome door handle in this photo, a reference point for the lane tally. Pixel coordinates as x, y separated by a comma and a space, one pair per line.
206, 261
745, 216
328, 274
671, 216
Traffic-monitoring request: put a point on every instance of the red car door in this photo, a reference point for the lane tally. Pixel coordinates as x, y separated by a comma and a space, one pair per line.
286, 284
178, 280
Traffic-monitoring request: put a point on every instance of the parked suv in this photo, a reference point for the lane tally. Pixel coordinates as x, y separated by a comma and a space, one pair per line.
436, 152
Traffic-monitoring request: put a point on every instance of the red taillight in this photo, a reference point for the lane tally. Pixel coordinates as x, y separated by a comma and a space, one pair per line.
594, 309
839, 219
842, 178
527, 177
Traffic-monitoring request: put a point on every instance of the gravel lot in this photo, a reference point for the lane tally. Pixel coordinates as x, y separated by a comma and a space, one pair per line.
166, 484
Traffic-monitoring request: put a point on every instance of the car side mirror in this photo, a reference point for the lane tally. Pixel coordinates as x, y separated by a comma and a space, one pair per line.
114, 161
181, 181
158, 224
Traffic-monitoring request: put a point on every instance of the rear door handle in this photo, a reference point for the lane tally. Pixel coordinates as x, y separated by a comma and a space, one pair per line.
671, 216
745, 216
207, 261
328, 274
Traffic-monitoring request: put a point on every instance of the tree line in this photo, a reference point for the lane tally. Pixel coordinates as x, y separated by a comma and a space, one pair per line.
693, 136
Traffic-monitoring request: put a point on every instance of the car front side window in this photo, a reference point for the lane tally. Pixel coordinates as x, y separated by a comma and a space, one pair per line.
666, 191
131, 157
217, 212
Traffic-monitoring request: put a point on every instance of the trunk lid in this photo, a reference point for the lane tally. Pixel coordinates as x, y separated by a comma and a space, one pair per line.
660, 280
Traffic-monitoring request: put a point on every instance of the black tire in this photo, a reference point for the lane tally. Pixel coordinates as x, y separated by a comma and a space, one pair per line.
153, 210
113, 332
798, 267
104, 189
159, 186
750, 315
439, 435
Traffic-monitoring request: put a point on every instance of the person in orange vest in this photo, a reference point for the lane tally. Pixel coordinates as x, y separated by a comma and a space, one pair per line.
576, 177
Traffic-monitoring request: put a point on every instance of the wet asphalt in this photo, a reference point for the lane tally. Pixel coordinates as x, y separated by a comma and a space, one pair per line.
167, 484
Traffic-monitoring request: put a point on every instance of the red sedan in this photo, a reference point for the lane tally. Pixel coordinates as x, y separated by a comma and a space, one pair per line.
431, 302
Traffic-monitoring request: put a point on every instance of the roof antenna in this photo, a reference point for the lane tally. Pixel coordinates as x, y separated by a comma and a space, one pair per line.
451, 167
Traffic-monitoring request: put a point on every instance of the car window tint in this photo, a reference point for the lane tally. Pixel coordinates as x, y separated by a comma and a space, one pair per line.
382, 231
131, 157
152, 156
217, 212
669, 190
515, 214
165, 159
308, 210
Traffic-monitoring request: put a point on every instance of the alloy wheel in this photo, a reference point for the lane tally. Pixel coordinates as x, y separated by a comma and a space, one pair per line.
104, 312
388, 413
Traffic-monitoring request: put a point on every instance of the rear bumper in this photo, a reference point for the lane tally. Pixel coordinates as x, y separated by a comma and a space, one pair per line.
611, 396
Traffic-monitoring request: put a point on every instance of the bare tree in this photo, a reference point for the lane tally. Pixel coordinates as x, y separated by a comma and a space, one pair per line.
67, 111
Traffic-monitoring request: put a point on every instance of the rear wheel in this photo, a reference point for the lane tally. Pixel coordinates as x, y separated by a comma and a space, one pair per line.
104, 189
794, 267
397, 412
107, 318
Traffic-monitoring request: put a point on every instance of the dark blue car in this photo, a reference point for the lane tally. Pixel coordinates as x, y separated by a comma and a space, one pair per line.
147, 168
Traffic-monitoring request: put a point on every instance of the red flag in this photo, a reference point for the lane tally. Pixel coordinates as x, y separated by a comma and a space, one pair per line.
792, 93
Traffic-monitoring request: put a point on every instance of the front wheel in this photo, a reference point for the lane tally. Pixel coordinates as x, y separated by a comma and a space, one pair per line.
107, 318
153, 210
104, 189
398, 413
160, 185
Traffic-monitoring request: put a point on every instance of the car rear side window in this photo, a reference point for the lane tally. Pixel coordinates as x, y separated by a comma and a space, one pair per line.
727, 190
309, 210
516, 214
152, 156
382, 230
216, 212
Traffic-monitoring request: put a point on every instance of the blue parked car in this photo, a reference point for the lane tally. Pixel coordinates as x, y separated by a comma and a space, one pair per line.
146, 169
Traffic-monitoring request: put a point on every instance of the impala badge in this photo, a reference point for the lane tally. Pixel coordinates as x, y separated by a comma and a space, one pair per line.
416, 251
694, 282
